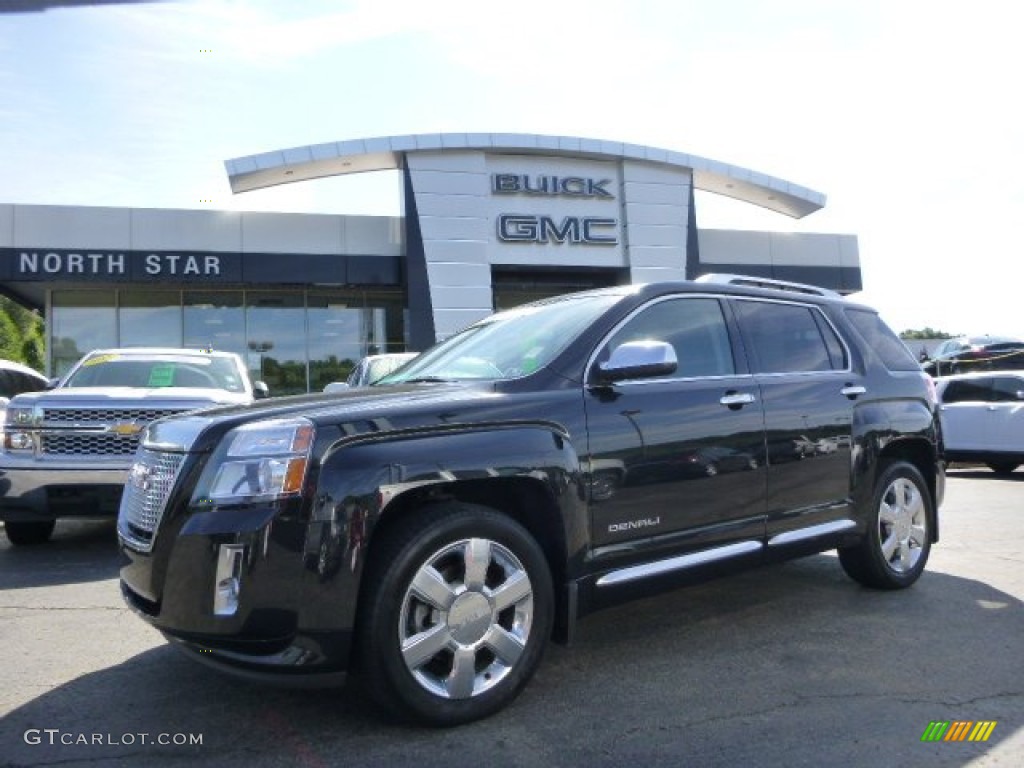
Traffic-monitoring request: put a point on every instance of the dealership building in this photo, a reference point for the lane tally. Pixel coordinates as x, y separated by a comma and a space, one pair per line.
490, 221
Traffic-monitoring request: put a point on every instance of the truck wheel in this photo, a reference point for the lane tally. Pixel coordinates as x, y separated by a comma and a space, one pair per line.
893, 553
458, 612
26, 534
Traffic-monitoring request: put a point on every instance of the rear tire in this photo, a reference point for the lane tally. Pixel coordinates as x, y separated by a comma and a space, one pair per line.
1003, 468
29, 534
894, 551
456, 617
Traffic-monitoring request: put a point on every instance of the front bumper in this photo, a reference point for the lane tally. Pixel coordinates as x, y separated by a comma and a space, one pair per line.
288, 623
30, 492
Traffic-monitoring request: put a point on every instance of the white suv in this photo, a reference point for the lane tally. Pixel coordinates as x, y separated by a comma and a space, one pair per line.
982, 416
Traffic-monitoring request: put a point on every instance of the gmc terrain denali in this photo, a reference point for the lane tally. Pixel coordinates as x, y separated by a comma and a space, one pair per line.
433, 533
66, 451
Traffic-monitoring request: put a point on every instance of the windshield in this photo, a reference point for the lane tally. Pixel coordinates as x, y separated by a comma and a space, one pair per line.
199, 371
509, 344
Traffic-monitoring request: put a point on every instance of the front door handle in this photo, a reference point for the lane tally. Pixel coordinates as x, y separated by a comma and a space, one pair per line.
853, 391
736, 400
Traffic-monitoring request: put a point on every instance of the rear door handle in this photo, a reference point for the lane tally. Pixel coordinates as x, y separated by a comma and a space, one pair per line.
853, 390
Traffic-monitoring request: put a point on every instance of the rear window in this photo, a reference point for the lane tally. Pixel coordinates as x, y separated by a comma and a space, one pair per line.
887, 345
789, 338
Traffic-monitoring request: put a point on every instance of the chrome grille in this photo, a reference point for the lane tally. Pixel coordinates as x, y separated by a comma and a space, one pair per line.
88, 435
88, 444
104, 415
150, 481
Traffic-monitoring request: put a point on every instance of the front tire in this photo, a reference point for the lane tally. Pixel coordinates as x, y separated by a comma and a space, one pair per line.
458, 612
29, 534
894, 551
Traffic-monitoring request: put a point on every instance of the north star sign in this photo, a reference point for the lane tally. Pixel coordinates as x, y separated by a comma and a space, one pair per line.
575, 230
96, 265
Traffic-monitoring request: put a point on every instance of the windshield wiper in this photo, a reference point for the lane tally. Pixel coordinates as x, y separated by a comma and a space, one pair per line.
425, 380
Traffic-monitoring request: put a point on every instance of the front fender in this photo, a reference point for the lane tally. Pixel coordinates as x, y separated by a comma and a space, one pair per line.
370, 478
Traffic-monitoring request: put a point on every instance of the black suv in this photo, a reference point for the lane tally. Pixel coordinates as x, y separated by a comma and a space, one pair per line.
434, 532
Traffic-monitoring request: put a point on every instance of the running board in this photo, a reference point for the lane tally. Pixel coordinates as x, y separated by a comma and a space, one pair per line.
659, 567
811, 532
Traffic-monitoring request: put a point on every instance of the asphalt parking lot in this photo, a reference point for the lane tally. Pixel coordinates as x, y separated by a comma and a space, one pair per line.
787, 665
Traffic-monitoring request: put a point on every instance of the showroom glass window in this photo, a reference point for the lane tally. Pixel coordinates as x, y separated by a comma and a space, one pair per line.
149, 318
345, 326
275, 323
214, 319
81, 321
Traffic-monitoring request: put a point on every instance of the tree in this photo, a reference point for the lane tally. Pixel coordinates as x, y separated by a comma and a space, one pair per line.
926, 333
21, 334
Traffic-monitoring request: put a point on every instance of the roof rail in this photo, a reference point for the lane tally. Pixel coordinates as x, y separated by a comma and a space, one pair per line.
767, 282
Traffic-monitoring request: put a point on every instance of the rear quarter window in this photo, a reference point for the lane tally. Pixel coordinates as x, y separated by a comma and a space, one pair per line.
887, 345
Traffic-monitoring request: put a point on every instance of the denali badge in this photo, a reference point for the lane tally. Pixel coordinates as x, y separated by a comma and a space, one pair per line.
634, 524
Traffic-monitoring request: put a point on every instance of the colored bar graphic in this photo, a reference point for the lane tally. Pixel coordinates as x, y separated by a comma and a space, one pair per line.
983, 730
959, 730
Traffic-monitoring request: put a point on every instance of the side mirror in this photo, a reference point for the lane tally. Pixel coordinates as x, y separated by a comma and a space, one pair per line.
336, 386
52, 383
924, 357
260, 390
638, 360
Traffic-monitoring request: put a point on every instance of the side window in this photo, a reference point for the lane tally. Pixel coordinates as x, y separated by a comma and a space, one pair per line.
887, 345
787, 338
967, 391
695, 327
1007, 389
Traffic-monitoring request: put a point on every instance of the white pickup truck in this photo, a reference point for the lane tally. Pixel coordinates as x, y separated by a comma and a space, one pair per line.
66, 451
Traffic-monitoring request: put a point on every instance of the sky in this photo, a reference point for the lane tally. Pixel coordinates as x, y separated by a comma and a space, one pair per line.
903, 113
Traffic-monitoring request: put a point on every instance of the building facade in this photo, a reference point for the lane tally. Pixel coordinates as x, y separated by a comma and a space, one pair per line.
490, 221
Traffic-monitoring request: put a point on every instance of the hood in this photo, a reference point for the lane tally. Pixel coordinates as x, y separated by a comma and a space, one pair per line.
130, 396
351, 411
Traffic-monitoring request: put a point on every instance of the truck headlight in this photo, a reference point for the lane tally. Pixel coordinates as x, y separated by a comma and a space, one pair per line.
15, 422
264, 460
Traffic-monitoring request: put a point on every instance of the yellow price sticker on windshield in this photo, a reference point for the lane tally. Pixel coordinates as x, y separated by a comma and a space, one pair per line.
99, 359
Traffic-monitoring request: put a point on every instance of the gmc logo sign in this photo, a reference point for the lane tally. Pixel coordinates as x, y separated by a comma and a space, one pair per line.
575, 230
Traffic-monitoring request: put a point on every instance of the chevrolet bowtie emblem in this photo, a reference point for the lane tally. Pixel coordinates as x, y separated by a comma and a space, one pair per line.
126, 428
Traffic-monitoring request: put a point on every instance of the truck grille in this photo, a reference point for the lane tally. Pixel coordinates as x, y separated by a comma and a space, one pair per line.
145, 496
82, 431
103, 415
88, 444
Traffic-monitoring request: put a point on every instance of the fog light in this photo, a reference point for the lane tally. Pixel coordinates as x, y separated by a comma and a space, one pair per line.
228, 581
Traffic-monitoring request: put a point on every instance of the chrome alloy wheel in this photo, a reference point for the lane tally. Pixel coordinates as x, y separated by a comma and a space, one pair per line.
902, 525
466, 618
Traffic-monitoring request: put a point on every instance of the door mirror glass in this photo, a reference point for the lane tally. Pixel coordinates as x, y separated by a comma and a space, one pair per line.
260, 390
639, 360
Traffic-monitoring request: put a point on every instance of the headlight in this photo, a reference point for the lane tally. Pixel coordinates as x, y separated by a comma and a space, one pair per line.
16, 420
20, 416
264, 460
